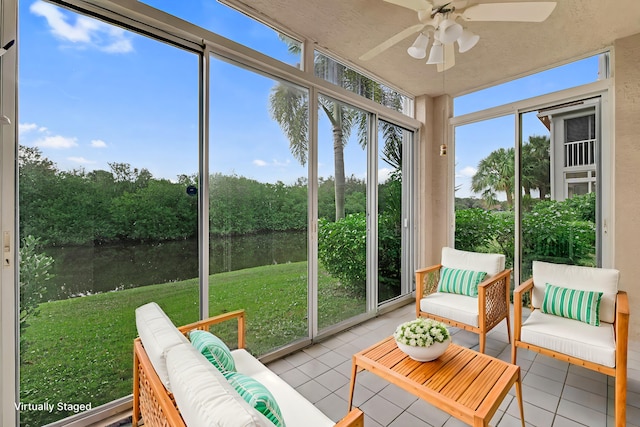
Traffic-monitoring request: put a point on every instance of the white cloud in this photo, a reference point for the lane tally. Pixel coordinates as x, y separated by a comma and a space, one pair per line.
56, 141
26, 127
278, 163
274, 162
120, 43
383, 174
98, 143
80, 160
467, 172
84, 31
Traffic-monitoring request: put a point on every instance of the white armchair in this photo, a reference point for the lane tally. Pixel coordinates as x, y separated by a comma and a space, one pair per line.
479, 313
561, 325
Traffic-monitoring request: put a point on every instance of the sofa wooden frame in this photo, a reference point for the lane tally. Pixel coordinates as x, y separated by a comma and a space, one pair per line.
621, 331
493, 301
154, 404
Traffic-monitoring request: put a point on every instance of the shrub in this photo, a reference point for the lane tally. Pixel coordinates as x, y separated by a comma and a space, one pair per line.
475, 228
389, 250
557, 232
34, 274
342, 250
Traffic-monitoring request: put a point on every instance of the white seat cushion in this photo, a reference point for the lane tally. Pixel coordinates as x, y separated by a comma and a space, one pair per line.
491, 264
296, 410
571, 337
203, 395
158, 334
456, 307
603, 280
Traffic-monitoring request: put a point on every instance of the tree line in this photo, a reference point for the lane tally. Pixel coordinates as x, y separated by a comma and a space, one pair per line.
128, 204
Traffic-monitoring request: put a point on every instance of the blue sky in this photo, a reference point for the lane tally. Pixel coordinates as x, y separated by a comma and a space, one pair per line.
93, 94
476, 141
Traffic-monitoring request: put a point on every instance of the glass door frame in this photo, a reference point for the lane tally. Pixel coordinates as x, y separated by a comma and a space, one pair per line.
599, 89
9, 360
173, 31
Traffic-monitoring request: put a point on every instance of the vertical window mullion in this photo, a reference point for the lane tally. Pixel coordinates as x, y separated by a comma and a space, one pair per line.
203, 193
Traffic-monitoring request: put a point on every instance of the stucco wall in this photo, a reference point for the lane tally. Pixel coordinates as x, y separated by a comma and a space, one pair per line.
627, 169
432, 179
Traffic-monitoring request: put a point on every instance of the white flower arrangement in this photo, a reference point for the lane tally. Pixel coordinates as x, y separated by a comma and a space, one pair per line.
421, 332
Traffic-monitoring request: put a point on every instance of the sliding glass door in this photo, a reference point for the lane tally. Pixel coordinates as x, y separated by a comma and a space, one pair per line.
484, 187
558, 202
108, 150
129, 194
343, 138
394, 238
561, 152
258, 199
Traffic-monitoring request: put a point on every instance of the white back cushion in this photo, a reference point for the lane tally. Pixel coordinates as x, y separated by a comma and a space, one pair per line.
491, 264
603, 280
203, 395
158, 334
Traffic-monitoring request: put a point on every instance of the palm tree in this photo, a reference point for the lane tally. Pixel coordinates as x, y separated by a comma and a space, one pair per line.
495, 173
289, 106
536, 166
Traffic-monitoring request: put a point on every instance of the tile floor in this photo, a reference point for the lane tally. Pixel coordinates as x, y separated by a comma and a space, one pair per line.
554, 393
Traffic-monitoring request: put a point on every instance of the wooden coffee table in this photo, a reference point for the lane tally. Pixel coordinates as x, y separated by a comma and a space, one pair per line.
468, 385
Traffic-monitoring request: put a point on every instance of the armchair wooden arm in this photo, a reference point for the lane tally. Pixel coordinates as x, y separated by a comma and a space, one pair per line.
622, 316
525, 287
150, 397
426, 283
355, 418
621, 328
493, 300
203, 325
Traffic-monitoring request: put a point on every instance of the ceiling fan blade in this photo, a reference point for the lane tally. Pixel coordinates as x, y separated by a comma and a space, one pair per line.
412, 4
512, 12
449, 58
457, 4
391, 41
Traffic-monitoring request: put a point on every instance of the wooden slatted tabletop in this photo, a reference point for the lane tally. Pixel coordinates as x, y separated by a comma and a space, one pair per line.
468, 385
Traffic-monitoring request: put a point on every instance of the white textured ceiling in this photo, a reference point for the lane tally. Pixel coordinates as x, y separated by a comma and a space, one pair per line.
506, 50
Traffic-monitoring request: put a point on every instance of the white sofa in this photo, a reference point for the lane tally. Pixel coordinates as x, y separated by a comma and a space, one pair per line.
175, 385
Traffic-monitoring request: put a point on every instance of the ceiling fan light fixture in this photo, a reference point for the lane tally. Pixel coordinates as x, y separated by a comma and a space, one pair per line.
436, 54
449, 31
418, 49
467, 40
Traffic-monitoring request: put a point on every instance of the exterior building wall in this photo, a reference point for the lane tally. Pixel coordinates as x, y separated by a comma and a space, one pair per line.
626, 75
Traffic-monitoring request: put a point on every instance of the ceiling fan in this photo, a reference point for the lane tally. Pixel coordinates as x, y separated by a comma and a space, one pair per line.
438, 19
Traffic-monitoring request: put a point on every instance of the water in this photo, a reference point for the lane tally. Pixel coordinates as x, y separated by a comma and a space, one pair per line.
86, 270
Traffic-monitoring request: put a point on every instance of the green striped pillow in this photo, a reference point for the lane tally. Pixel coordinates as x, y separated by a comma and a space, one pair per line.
214, 349
572, 304
464, 282
256, 395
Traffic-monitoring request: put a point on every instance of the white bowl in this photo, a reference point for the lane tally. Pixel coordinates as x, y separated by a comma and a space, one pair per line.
425, 354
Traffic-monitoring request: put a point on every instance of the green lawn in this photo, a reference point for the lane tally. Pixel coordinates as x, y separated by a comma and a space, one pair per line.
80, 350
